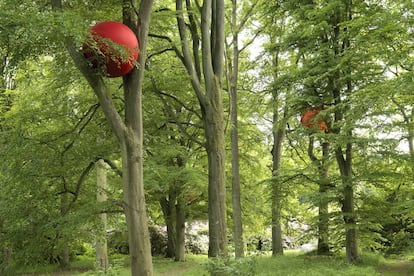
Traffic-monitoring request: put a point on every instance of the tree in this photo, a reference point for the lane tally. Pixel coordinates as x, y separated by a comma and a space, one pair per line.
102, 261
278, 130
239, 18
128, 132
336, 69
324, 184
208, 90
234, 134
274, 29
175, 138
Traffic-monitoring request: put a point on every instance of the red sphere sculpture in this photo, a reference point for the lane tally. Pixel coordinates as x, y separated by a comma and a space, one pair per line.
113, 46
309, 120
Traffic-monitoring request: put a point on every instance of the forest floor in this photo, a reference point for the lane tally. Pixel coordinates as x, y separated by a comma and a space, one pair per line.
176, 271
292, 264
397, 267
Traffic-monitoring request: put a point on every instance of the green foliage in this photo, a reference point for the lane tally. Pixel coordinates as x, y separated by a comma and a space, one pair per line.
401, 242
45, 174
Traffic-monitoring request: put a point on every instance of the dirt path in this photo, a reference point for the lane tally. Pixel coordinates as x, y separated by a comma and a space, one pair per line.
397, 267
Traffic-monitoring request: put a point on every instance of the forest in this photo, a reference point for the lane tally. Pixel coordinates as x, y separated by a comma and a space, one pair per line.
242, 137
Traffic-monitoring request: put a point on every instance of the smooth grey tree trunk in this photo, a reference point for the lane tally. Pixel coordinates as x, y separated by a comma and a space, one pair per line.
277, 241
278, 131
345, 167
206, 78
102, 261
180, 230
323, 202
344, 154
214, 132
169, 212
234, 136
65, 250
344, 161
323, 205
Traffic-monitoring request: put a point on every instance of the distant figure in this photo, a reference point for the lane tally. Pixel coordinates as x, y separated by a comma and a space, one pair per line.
259, 244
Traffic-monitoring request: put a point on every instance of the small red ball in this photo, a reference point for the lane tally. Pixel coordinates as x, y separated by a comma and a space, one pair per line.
113, 46
309, 120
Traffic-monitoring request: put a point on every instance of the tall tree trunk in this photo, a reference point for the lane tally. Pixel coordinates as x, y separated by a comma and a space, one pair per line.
169, 212
409, 127
212, 38
214, 132
323, 202
323, 223
410, 130
102, 261
135, 212
211, 104
64, 260
351, 242
174, 209
278, 136
352, 254
323, 206
409, 119
344, 161
180, 229
234, 135
132, 144
65, 250
180, 209
277, 241
278, 131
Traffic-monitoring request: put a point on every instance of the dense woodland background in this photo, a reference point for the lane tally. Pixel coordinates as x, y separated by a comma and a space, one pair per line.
349, 188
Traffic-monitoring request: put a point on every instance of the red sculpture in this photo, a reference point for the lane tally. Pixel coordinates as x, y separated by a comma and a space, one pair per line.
310, 119
113, 46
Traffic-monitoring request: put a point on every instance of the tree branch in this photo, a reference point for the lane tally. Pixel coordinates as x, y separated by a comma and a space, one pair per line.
187, 60
95, 81
311, 154
79, 183
111, 164
195, 37
177, 52
186, 107
91, 112
171, 113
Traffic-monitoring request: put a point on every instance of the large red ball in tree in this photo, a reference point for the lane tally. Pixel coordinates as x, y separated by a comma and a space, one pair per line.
113, 46
310, 120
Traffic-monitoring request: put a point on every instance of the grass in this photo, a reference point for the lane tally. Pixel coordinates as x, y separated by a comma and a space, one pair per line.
192, 266
162, 266
76, 266
291, 263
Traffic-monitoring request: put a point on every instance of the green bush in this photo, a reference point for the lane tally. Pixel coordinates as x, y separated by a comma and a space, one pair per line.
401, 242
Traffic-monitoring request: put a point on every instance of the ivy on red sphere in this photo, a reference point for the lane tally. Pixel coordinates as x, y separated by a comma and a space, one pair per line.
113, 46
310, 119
